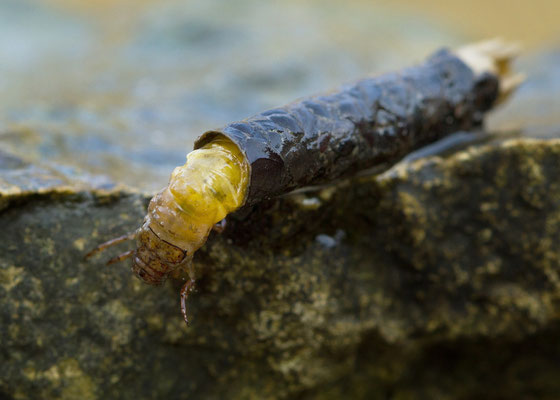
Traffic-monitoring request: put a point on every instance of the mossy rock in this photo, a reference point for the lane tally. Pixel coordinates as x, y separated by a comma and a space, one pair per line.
438, 278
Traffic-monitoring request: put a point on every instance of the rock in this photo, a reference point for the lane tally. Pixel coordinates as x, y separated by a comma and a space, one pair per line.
421, 282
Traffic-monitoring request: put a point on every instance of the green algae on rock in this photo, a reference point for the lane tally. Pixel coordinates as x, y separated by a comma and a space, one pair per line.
362, 288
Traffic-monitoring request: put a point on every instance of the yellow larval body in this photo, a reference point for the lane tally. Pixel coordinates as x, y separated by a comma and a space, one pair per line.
212, 183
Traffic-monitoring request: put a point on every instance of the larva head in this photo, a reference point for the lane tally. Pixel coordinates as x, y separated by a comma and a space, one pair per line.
155, 259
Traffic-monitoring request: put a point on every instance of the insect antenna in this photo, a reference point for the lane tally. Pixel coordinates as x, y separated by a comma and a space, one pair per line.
110, 243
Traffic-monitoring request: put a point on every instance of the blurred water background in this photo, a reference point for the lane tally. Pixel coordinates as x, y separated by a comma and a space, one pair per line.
118, 90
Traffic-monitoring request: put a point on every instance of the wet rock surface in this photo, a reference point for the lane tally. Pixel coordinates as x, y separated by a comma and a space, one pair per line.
435, 279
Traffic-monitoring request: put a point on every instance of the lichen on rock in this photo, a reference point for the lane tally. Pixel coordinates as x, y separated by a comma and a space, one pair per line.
442, 257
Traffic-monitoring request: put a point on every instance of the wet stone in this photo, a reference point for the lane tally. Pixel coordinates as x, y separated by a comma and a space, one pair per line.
373, 290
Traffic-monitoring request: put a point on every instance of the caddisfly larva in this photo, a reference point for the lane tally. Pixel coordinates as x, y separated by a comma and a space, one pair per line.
212, 183
312, 141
